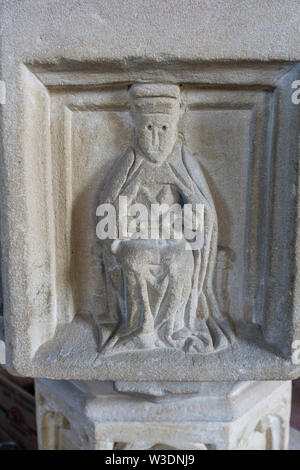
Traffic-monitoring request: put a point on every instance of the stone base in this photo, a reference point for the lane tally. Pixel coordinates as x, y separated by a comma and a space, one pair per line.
106, 415
294, 443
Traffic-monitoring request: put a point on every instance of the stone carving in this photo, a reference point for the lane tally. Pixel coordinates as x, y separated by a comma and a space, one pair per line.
269, 433
65, 122
244, 415
54, 426
160, 291
144, 445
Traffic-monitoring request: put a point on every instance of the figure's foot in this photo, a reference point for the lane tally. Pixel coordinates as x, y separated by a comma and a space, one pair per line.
145, 340
181, 334
198, 344
169, 340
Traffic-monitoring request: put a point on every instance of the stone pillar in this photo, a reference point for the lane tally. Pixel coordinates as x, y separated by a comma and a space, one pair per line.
130, 416
150, 209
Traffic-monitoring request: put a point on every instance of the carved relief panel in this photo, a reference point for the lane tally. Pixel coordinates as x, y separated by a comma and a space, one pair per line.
209, 305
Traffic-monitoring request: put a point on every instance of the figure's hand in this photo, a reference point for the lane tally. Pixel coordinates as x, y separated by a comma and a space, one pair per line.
135, 255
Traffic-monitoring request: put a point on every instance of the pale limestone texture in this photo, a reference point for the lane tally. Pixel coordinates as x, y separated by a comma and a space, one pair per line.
159, 281
294, 441
68, 67
223, 416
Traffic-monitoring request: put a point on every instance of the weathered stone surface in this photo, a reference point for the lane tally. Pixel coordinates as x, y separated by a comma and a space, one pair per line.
294, 443
65, 122
2, 342
222, 416
158, 276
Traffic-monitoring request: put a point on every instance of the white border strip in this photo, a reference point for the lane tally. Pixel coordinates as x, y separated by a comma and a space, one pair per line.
2, 92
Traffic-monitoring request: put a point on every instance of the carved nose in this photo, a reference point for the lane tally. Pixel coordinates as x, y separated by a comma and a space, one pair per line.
155, 138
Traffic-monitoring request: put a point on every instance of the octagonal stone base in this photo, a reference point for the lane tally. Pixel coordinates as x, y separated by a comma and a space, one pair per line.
168, 415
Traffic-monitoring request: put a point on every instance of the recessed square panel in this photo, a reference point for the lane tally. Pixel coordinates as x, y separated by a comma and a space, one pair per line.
130, 309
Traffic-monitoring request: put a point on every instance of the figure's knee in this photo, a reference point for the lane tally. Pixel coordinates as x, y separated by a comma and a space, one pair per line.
131, 260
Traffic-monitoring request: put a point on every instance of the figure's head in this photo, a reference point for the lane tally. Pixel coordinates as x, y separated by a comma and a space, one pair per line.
155, 111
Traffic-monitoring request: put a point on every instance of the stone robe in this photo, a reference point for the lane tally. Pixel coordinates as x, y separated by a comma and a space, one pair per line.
161, 279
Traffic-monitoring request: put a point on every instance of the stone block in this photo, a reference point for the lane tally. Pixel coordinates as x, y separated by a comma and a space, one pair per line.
80, 80
248, 415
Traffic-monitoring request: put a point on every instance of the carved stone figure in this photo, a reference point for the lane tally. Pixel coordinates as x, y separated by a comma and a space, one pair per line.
159, 292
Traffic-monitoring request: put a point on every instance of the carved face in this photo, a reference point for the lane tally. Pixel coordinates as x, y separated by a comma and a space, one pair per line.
155, 135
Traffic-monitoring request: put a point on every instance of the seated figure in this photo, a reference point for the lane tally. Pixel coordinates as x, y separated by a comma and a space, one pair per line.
159, 291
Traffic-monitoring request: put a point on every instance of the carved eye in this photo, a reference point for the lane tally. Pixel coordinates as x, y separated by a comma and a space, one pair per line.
149, 127
164, 128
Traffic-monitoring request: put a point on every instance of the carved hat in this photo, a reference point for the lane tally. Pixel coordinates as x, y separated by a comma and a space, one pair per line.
149, 98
